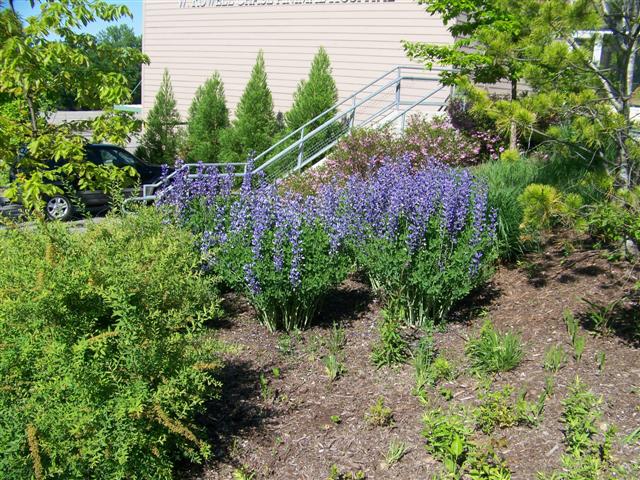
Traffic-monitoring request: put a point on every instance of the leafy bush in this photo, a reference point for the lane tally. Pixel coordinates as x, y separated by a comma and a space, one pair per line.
616, 219
492, 352
255, 126
104, 359
498, 410
159, 142
208, 116
379, 415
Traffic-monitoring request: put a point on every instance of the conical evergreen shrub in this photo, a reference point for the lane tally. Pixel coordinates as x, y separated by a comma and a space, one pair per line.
254, 127
159, 143
315, 95
208, 117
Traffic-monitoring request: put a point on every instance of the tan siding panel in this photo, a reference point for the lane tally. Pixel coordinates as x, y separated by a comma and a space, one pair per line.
362, 39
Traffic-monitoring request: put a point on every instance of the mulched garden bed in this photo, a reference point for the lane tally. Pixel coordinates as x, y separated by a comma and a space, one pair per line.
284, 429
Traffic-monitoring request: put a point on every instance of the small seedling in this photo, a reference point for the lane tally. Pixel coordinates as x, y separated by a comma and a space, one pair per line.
334, 368
285, 344
391, 349
396, 451
275, 371
579, 342
601, 358
554, 358
601, 315
549, 385
336, 340
336, 474
572, 324
243, 473
492, 352
266, 392
379, 415
446, 393
336, 419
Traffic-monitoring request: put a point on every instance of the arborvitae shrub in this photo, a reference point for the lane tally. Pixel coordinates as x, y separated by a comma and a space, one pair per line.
208, 116
315, 95
104, 361
159, 143
254, 127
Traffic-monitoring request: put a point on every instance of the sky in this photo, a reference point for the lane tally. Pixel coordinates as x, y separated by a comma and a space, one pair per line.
23, 7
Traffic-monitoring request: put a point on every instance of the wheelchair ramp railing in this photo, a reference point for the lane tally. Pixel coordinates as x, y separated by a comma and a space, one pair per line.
386, 101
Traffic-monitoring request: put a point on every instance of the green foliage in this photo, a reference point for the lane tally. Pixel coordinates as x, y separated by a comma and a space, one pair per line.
492, 352
588, 447
254, 127
333, 367
39, 61
159, 143
578, 342
336, 340
379, 415
601, 316
448, 439
244, 473
422, 359
617, 218
395, 452
391, 348
498, 410
105, 360
208, 116
314, 95
554, 358
336, 474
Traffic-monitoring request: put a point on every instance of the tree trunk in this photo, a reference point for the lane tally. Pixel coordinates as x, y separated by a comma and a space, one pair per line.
513, 133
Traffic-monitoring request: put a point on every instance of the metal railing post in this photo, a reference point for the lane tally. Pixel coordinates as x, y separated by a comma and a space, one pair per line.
399, 76
301, 148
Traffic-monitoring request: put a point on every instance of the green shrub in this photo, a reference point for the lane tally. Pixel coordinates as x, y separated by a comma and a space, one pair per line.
554, 358
379, 415
492, 352
391, 349
104, 361
254, 127
159, 142
313, 96
208, 116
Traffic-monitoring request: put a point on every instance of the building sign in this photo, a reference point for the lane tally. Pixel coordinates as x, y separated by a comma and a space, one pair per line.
260, 3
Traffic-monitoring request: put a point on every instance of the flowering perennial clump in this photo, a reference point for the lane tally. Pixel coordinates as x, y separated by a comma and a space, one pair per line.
425, 237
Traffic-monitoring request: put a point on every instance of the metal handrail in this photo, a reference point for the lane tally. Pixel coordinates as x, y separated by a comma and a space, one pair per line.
300, 136
398, 70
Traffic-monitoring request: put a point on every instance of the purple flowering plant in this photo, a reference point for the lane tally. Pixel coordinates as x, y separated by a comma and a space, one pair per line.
424, 236
277, 250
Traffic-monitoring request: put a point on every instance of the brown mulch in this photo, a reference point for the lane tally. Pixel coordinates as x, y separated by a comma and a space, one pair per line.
290, 435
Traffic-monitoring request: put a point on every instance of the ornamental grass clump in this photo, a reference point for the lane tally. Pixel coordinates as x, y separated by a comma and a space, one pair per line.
426, 237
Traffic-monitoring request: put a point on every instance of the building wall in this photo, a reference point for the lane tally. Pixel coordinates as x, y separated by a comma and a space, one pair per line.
192, 38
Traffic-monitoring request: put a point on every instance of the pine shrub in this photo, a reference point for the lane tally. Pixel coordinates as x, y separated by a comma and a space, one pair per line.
315, 95
103, 361
254, 127
159, 143
208, 116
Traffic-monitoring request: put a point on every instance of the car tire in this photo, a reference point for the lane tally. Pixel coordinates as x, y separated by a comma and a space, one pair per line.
59, 208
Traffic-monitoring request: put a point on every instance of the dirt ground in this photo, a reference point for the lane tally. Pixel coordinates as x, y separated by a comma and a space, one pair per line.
286, 431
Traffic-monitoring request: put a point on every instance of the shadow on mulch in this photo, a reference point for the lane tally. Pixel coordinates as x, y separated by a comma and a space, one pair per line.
622, 317
343, 305
468, 308
238, 413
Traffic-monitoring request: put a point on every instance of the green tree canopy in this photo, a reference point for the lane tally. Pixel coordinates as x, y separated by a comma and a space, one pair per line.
254, 127
47, 54
159, 143
574, 98
208, 116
